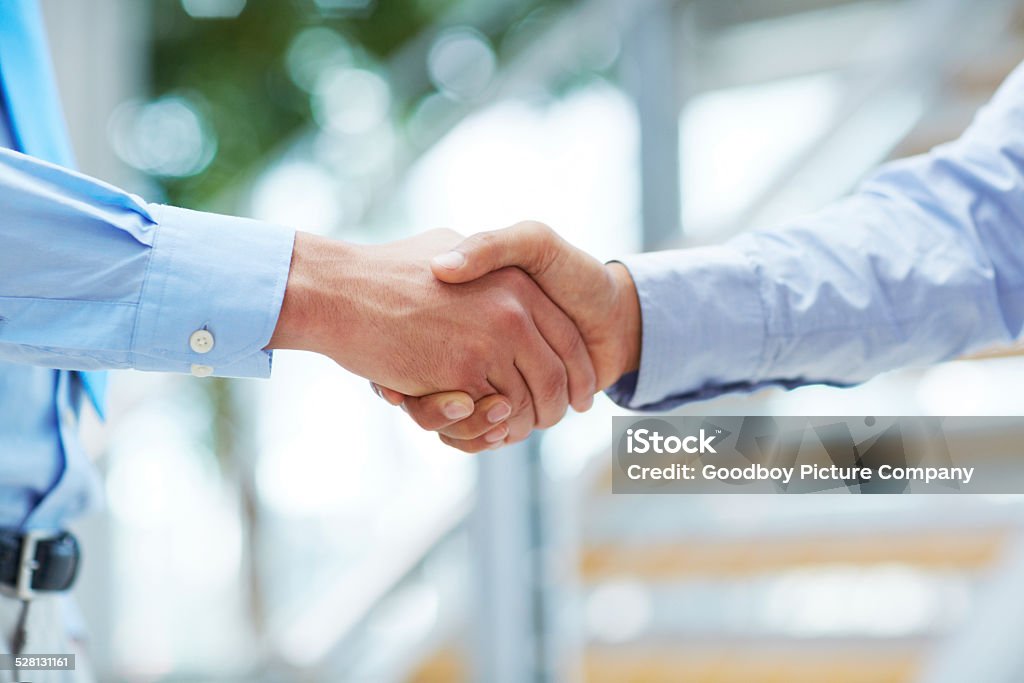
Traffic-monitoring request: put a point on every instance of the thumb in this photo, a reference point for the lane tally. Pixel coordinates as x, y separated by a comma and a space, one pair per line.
525, 245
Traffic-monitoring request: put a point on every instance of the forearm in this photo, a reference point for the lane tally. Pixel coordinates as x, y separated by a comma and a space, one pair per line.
922, 264
94, 278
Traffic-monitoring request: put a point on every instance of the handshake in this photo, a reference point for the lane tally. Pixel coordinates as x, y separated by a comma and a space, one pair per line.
481, 339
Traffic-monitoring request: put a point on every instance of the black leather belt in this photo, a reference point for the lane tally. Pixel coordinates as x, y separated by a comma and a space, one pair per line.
37, 562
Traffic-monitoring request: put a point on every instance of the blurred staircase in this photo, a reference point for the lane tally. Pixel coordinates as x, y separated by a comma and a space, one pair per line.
776, 589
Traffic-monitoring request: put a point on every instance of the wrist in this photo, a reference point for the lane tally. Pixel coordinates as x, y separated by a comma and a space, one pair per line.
627, 318
313, 290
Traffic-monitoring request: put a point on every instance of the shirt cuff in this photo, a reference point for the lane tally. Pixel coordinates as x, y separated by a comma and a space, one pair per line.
212, 294
703, 324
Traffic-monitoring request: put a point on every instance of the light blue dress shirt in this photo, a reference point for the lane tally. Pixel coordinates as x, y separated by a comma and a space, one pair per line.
923, 263
28, 426
93, 278
6, 140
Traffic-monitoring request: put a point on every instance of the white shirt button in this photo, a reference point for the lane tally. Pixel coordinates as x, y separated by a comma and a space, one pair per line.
201, 370
201, 341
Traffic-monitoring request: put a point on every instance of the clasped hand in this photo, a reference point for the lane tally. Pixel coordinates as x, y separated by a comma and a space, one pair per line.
482, 339
600, 301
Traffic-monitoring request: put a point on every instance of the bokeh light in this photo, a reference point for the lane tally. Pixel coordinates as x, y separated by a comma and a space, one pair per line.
461, 63
618, 611
213, 9
314, 51
165, 137
351, 101
297, 193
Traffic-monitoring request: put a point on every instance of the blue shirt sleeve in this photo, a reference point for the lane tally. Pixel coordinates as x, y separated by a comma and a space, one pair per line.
923, 263
92, 277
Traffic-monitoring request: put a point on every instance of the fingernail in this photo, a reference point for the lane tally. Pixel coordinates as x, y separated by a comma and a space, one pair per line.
454, 410
450, 260
497, 434
498, 412
376, 390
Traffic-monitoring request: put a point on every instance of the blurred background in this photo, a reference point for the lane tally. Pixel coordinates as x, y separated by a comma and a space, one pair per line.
299, 529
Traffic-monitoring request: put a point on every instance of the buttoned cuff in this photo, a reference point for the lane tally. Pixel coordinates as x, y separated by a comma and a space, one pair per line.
212, 294
703, 326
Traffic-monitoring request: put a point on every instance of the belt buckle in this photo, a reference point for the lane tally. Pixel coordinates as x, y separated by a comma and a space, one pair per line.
27, 563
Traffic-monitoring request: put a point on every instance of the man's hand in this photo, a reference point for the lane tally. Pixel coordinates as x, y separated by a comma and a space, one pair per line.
600, 299
379, 312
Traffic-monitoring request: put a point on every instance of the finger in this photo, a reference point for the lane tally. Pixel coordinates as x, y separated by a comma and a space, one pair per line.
492, 440
489, 412
393, 397
530, 245
510, 382
565, 340
546, 377
436, 411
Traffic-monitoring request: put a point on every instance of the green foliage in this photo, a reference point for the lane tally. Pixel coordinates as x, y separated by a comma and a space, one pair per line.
235, 72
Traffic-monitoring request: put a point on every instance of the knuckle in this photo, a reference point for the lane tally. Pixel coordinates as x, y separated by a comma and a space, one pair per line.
547, 244
535, 228
481, 241
510, 277
578, 358
554, 400
470, 362
518, 278
455, 431
554, 387
474, 384
541, 233
466, 428
469, 429
474, 348
512, 316
522, 404
574, 344
518, 285
428, 415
